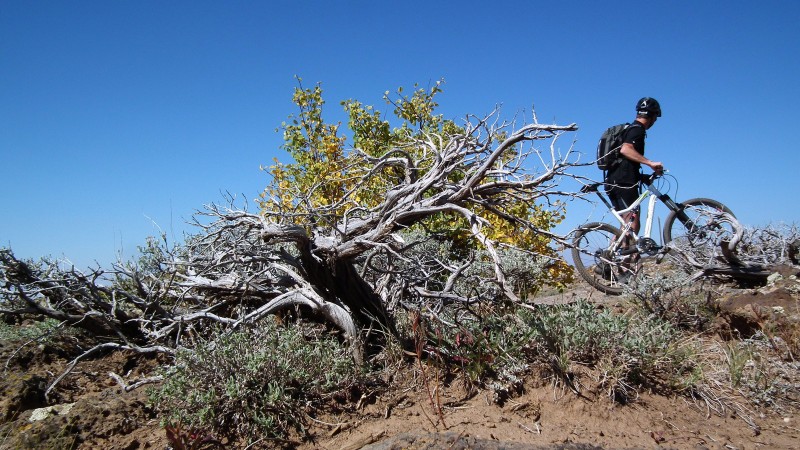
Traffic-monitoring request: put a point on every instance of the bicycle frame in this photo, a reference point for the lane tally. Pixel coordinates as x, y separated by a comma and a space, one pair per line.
654, 194
627, 226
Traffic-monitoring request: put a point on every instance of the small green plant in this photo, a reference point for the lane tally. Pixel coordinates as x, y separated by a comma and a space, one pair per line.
252, 383
737, 355
670, 297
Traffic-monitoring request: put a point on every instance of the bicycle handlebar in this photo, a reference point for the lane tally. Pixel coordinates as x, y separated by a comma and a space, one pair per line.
645, 178
649, 178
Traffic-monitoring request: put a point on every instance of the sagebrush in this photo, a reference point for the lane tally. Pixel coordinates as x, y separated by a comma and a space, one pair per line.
256, 382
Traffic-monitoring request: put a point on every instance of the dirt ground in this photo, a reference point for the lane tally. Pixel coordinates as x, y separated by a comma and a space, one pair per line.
89, 410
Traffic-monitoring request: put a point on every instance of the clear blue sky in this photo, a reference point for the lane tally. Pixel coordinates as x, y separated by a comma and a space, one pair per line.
120, 117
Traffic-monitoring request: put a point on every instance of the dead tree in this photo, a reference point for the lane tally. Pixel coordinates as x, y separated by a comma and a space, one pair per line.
344, 261
332, 266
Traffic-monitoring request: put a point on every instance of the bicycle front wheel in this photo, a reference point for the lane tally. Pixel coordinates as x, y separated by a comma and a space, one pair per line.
702, 230
596, 259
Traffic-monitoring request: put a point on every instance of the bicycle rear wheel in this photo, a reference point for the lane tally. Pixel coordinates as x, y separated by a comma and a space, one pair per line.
707, 224
597, 261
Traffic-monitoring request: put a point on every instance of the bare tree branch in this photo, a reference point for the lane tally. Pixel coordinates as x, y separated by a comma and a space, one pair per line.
345, 261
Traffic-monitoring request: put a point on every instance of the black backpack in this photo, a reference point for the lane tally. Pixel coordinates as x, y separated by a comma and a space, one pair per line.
608, 148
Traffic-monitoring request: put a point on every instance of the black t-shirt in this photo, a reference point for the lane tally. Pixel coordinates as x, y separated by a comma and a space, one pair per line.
626, 173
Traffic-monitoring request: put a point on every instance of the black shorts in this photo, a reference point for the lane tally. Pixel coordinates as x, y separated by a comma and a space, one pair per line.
622, 197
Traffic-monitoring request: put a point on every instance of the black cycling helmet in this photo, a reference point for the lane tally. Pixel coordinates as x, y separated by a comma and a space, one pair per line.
648, 106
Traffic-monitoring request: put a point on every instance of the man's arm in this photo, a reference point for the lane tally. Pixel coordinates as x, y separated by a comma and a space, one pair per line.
629, 152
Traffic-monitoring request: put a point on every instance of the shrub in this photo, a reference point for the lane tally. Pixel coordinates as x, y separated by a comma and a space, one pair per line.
44, 330
671, 298
628, 351
486, 347
253, 382
495, 347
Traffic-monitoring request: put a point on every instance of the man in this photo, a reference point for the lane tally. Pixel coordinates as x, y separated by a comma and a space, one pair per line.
622, 180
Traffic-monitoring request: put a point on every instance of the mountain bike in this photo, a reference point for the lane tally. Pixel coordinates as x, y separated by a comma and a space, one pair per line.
607, 257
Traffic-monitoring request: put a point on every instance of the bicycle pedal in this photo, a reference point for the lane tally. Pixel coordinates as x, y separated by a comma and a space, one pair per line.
603, 270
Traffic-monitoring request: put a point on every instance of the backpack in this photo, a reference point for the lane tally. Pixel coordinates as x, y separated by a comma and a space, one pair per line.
608, 148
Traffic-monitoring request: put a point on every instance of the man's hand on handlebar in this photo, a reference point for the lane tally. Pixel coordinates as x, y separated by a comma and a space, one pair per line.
657, 167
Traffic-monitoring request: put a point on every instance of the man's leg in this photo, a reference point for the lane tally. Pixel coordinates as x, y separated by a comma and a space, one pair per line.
622, 198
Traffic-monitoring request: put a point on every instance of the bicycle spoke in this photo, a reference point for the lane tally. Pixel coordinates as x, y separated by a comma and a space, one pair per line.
700, 239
